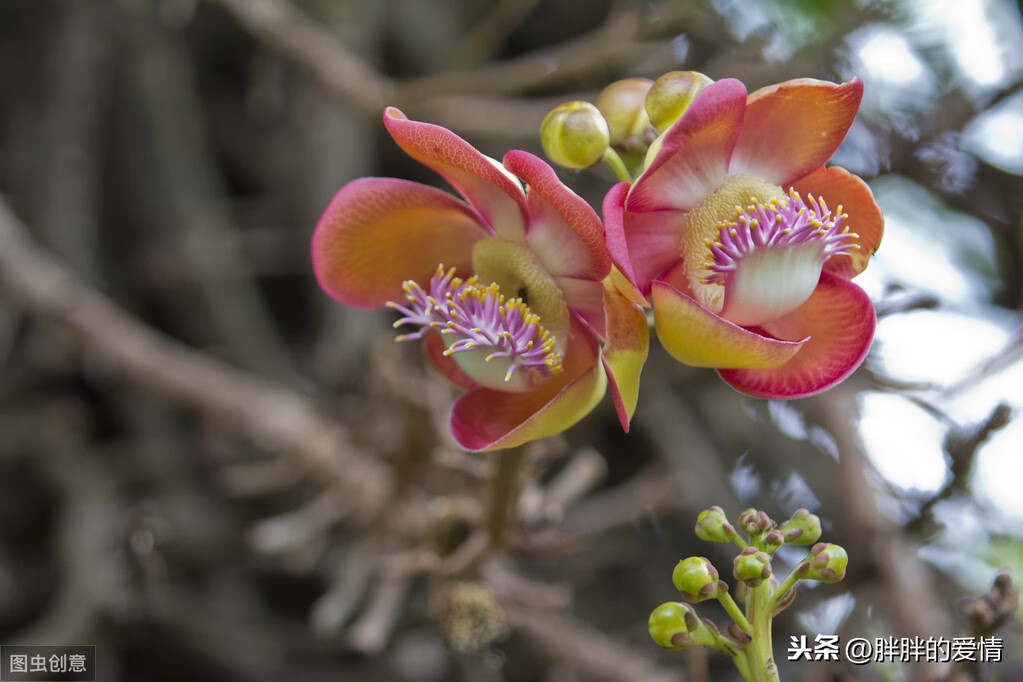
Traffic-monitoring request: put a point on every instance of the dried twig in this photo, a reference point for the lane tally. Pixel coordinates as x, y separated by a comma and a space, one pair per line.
268, 415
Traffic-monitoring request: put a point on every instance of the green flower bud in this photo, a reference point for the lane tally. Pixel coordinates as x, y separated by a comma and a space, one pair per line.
755, 522
671, 95
697, 579
752, 566
623, 106
803, 528
826, 563
772, 541
574, 135
712, 525
674, 625
736, 633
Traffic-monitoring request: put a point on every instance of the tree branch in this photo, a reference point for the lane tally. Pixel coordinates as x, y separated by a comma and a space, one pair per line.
266, 414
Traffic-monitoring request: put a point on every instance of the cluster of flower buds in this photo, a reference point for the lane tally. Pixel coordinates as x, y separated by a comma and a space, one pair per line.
675, 625
623, 125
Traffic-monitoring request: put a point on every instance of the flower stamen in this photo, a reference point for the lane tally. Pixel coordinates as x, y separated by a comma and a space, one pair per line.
483, 318
777, 224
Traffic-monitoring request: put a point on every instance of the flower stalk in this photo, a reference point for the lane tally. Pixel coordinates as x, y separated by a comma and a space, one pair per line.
749, 641
505, 486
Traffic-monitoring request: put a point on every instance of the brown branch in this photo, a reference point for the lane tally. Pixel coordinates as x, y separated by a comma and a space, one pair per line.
595, 655
291, 33
481, 90
269, 416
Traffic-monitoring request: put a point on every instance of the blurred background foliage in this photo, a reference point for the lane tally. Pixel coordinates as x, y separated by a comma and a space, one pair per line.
175, 155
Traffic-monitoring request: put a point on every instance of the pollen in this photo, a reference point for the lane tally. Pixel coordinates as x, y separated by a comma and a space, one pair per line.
778, 224
482, 318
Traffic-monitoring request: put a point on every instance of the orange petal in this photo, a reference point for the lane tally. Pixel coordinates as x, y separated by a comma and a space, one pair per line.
378, 232
564, 233
839, 319
485, 419
481, 180
693, 156
793, 127
839, 187
628, 342
695, 336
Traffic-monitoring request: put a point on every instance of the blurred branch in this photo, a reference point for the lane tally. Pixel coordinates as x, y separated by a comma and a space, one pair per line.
487, 36
906, 582
455, 97
961, 444
268, 415
985, 615
591, 652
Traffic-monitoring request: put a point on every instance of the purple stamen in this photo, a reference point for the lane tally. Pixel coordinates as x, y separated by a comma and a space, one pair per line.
483, 318
778, 224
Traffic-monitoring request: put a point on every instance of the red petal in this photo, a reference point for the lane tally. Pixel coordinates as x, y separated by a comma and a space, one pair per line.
839, 187
839, 319
484, 419
642, 245
693, 157
497, 197
378, 232
563, 232
794, 127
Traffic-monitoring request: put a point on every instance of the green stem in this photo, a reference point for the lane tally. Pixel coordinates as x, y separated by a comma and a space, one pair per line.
616, 164
504, 493
733, 610
743, 665
782, 590
759, 652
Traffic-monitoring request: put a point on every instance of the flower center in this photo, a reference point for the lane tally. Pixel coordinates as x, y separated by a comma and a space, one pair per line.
498, 341
778, 224
753, 253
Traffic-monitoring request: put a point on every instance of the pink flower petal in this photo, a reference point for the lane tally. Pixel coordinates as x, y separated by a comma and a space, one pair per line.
584, 297
694, 152
378, 232
839, 319
839, 187
563, 231
642, 245
484, 419
628, 342
793, 127
480, 179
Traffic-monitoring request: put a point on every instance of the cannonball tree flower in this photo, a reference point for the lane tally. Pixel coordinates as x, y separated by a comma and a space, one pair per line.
746, 242
509, 290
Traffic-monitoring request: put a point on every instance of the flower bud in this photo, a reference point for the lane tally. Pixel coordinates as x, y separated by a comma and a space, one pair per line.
674, 625
752, 566
574, 135
712, 525
826, 563
736, 633
696, 578
772, 541
803, 528
623, 106
755, 522
671, 95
